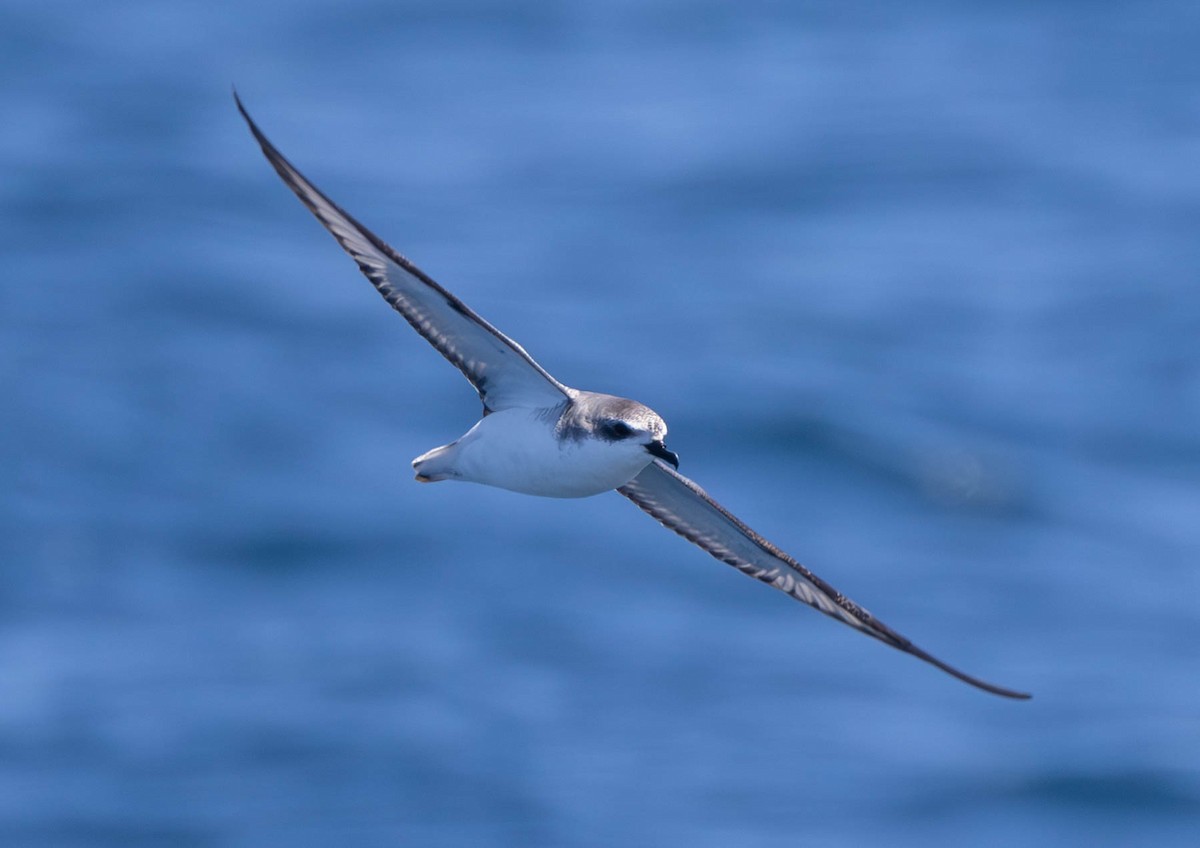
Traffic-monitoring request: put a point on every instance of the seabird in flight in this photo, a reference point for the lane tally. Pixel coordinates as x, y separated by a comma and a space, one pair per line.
540, 437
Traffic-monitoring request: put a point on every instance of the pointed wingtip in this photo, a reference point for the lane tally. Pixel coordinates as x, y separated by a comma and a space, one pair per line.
1012, 694
268, 149
964, 677
238, 100
983, 684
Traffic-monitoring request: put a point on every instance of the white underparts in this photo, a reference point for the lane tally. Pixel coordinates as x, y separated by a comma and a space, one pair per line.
519, 450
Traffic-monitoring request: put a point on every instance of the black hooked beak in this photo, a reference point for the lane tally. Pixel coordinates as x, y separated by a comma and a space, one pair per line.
658, 449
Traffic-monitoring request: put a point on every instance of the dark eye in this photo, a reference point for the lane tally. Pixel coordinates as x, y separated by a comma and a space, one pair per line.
616, 430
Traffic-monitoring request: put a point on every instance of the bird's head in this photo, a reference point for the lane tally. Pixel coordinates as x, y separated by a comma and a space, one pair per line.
629, 425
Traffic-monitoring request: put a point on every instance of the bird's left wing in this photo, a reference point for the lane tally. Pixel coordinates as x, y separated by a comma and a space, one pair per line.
680, 505
500, 370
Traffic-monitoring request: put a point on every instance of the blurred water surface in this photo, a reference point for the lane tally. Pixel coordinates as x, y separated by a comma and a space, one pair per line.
915, 289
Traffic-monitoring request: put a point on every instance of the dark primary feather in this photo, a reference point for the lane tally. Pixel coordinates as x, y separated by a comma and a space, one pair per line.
500, 370
680, 505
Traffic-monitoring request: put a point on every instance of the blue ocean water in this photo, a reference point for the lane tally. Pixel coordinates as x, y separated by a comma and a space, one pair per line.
915, 288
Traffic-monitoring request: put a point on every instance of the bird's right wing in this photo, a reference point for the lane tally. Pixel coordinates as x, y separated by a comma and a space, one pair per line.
680, 505
500, 370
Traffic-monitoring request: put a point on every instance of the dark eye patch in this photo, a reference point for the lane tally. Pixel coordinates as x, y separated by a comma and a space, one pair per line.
614, 430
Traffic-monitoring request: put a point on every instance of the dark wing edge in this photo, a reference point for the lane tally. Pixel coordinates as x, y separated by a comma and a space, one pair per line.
373, 255
667, 496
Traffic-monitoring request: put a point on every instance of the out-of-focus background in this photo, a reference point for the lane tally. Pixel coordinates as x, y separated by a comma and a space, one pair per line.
916, 289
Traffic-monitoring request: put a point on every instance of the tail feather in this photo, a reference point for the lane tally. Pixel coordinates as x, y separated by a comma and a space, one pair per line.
435, 465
